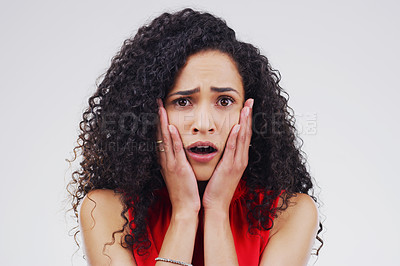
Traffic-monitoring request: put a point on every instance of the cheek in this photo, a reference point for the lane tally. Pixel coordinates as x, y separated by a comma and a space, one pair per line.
177, 119
236, 116
232, 119
226, 123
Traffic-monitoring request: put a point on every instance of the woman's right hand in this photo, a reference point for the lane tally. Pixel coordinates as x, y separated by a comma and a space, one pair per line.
175, 168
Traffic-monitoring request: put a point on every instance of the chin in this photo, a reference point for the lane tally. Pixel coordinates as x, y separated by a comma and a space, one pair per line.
203, 178
203, 172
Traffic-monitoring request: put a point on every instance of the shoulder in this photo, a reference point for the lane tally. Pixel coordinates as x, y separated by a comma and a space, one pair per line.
293, 232
103, 199
103, 228
301, 211
103, 204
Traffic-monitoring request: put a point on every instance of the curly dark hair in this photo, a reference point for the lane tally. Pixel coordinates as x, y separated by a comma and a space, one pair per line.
118, 130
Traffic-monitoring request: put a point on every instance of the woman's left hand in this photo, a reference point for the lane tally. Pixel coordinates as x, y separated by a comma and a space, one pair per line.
227, 174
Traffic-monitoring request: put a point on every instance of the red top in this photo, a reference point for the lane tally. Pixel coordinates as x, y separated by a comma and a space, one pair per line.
248, 247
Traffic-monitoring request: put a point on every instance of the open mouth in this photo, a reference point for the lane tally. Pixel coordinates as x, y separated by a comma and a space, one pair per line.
202, 149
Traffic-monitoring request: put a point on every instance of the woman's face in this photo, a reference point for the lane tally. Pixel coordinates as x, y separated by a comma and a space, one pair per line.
204, 104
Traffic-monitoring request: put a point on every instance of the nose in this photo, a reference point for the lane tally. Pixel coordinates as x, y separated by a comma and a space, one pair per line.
203, 121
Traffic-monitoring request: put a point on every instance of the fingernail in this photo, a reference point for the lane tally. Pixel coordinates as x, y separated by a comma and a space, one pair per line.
158, 102
247, 111
251, 103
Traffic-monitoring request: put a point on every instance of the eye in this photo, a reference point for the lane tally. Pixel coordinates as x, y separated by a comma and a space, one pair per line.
181, 101
224, 100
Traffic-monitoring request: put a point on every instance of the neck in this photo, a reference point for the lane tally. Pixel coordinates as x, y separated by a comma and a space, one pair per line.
202, 186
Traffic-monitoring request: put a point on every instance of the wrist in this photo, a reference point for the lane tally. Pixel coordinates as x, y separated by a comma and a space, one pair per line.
212, 205
218, 213
186, 207
185, 215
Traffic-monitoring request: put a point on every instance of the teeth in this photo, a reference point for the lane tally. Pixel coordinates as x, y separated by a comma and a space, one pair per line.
203, 149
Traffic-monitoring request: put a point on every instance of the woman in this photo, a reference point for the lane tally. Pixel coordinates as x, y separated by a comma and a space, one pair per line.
189, 155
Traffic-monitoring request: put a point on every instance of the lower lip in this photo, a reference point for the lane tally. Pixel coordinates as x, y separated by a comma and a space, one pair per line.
202, 158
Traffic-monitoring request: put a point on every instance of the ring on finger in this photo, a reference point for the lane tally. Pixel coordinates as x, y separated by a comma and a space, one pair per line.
160, 147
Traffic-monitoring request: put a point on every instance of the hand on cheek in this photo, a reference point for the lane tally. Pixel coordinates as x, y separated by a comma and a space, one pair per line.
227, 174
176, 170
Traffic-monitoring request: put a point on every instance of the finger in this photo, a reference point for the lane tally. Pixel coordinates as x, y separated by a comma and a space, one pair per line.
166, 137
160, 146
177, 144
242, 136
250, 124
160, 154
230, 147
242, 152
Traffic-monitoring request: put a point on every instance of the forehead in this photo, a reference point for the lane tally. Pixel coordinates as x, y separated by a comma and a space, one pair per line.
209, 69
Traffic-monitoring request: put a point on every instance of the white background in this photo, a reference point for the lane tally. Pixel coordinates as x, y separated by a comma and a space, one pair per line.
339, 63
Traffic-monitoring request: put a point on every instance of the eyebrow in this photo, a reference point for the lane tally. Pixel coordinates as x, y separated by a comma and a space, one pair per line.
190, 92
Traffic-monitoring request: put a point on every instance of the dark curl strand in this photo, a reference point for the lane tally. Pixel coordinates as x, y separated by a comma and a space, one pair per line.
118, 130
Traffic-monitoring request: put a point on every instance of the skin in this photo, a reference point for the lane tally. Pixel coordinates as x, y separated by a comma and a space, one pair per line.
206, 115
209, 116
202, 118
204, 71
